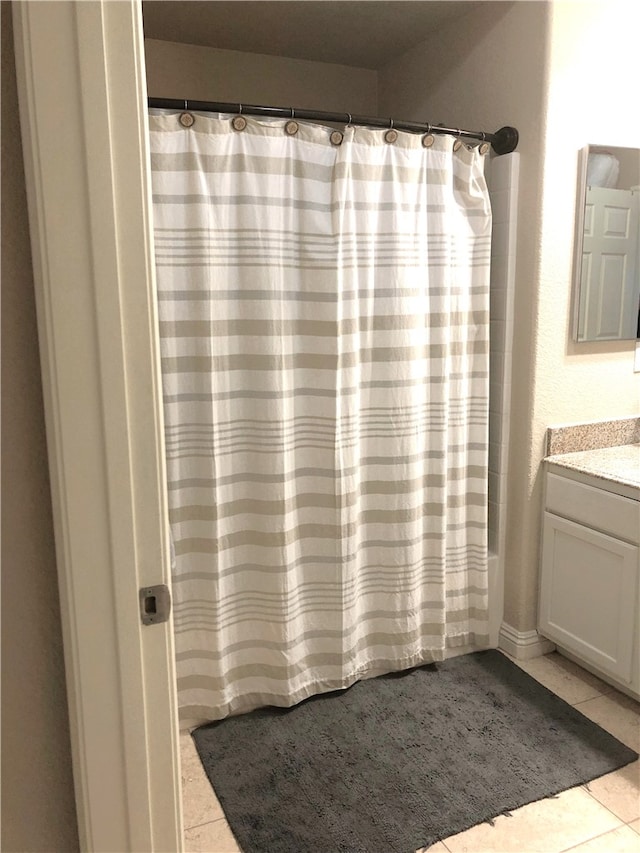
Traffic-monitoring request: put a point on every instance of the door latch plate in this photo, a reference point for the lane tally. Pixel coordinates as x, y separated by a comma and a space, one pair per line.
155, 604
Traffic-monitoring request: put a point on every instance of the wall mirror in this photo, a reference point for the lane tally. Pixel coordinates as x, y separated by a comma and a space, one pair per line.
607, 245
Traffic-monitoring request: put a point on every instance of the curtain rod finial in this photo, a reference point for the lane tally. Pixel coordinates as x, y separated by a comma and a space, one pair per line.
505, 140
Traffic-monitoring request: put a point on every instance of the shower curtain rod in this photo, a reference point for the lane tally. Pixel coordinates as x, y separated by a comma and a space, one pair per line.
503, 141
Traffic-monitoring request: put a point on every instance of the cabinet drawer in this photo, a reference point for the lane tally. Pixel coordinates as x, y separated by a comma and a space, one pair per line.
596, 508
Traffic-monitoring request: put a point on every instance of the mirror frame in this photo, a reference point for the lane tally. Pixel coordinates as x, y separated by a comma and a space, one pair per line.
581, 197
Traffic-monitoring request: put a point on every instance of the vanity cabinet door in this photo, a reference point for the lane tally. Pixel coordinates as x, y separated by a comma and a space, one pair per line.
588, 594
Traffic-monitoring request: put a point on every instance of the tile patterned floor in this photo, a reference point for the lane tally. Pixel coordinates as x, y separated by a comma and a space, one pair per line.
601, 817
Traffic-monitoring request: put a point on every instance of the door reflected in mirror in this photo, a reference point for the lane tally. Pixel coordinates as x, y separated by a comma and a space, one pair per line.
607, 250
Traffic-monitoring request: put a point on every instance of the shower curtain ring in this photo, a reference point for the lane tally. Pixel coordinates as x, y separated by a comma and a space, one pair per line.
186, 105
293, 112
239, 109
390, 135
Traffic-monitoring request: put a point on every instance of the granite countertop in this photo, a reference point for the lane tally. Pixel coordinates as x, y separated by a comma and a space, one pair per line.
619, 464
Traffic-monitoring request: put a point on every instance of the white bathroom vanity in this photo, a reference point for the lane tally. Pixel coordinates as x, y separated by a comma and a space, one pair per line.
590, 565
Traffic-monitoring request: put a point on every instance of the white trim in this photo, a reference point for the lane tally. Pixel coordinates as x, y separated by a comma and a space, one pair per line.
581, 197
495, 564
504, 178
82, 93
523, 645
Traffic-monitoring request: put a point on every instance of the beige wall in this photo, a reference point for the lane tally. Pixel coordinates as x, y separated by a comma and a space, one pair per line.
208, 74
560, 73
592, 81
38, 810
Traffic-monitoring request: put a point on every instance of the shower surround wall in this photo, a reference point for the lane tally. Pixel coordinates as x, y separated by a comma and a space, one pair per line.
502, 178
204, 73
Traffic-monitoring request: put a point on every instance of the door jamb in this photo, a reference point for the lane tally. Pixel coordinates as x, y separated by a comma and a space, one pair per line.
82, 93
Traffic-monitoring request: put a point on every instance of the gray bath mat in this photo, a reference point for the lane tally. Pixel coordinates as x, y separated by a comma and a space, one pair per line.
401, 761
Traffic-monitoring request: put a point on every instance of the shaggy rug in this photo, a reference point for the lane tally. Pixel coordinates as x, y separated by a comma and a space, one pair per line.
398, 762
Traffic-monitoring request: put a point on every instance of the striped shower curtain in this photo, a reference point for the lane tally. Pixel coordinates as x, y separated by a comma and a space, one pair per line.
323, 311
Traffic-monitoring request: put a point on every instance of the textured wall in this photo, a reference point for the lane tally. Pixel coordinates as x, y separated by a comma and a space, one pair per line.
559, 72
571, 383
593, 73
205, 73
588, 103
38, 809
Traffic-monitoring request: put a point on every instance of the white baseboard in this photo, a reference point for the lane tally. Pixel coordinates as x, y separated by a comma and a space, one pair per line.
523, 645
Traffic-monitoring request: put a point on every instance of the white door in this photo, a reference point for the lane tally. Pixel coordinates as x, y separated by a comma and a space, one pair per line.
81, 83
609, 275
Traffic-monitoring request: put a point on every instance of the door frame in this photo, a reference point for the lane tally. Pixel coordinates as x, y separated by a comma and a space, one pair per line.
82, 92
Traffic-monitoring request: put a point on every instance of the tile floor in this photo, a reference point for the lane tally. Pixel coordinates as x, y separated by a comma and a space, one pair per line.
601, 817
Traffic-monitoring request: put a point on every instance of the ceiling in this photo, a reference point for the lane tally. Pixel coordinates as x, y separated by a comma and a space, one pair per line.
361, 33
